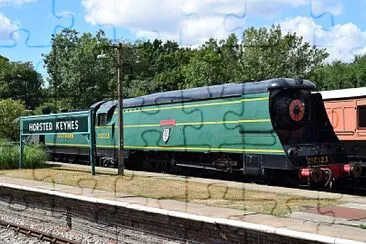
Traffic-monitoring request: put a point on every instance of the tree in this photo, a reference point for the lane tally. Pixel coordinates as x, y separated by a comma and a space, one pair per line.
10, 111
262, 54
359, 68
337, 75
340, 75
77, 76
19, 80
267, 53
214, 63
158, 65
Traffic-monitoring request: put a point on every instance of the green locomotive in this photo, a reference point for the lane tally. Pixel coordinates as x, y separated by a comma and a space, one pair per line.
257, 128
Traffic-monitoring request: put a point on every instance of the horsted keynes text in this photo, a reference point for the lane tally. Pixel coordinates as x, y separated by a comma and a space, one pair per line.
55, 125
48, 126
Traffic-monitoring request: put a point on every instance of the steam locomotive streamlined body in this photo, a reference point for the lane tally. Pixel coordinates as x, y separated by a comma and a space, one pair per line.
266, 128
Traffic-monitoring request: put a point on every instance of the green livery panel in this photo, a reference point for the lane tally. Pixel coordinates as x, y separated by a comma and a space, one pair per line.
239, 124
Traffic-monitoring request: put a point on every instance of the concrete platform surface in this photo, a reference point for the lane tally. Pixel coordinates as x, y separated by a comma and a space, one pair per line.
347, 221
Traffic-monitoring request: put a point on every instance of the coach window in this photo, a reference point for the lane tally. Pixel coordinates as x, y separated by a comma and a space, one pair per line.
362, 117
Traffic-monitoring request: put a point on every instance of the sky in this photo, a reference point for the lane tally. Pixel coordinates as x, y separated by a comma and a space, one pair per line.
27, 26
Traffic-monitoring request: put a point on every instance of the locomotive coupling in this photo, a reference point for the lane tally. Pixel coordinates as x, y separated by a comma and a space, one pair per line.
313, 174
326, 172
353, 169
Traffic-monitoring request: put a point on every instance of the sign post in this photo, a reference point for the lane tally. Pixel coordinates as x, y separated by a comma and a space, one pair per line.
92, 141
81, 122
21, 146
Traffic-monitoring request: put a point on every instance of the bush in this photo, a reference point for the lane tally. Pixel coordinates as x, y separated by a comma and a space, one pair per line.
9, 155
34, 156
10, 111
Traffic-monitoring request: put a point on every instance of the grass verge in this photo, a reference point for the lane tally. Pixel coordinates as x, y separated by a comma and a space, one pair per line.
218, 195
34, 155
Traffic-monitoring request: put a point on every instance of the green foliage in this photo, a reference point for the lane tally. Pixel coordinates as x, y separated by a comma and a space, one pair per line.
9, 155
20, 81
262, 54
339, 75
77, 76
155, 67
214, 63
35, 156
267, 53
54, 106
359, 69
10, 111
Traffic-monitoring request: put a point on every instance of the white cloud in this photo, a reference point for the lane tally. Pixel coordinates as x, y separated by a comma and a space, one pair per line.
191, 22
16, 2
7, 28
342, 41
139, 14
199, 30
320, 6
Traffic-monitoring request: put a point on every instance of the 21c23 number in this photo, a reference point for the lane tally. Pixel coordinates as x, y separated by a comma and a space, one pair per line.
317, 160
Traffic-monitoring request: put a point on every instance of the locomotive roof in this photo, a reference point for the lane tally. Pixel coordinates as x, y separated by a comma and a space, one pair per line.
210, 92
217, 91
106, 106
344, 93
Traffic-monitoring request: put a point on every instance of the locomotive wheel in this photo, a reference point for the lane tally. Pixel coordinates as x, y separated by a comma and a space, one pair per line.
281, 178
270, 176
316, 186
291, 178
172, 167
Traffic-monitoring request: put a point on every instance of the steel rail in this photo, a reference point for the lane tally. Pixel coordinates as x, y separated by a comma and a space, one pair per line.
43, 236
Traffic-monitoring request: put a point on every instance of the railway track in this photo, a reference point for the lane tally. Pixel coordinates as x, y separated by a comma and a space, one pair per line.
43, 236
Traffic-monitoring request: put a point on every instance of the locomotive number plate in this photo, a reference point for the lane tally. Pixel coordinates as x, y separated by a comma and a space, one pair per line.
317, 160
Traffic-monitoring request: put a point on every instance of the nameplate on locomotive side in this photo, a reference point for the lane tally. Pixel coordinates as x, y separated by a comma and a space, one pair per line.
168, 122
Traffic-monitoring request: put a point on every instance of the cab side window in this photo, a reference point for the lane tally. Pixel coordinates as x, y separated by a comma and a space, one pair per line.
106, 117
102, 119
361, 117
110, 115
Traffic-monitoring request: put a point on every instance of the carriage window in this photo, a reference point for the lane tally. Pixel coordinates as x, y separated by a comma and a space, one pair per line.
362, 117
102, 119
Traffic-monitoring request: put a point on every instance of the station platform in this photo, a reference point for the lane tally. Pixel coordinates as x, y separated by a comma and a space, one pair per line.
345, 222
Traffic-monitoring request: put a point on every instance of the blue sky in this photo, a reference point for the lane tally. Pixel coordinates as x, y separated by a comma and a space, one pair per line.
26, 26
